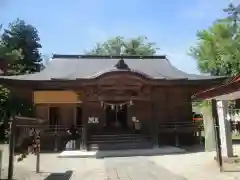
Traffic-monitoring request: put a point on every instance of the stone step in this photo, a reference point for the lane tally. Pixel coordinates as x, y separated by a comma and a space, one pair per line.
138, 140
116, 141
118, 146
118, 137
114, 135
114, 132
123, 143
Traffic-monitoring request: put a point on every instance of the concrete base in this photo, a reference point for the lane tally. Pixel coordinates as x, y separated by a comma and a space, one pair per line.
121, 153
230, 160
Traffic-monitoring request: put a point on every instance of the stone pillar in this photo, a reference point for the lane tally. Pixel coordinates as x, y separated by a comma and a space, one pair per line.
210, 142
225, 129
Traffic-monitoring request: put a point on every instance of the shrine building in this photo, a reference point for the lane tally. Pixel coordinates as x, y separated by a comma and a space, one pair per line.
112, 96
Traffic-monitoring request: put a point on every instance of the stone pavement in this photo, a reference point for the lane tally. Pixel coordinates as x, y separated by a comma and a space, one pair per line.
192, 166
122, 168
137, 168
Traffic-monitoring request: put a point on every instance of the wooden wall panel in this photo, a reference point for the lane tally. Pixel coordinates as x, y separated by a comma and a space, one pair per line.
55, 97
172, 104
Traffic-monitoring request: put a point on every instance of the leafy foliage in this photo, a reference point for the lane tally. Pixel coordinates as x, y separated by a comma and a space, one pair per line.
19, 45
216, 51
11, 56
25, 37
138, 46
233, 12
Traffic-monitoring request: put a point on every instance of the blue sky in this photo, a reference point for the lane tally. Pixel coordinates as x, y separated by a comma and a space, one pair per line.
72, 27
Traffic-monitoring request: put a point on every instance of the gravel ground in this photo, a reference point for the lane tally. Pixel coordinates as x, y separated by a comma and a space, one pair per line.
191, 166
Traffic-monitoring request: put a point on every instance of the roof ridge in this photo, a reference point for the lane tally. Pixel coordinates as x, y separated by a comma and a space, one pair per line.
78, 56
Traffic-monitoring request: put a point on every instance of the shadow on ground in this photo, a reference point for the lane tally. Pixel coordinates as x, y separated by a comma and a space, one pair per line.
194, 148
236, 141
59, 176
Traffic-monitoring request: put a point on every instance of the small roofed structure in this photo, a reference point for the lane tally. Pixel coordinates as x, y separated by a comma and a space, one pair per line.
103, 94
222, 94
227, 91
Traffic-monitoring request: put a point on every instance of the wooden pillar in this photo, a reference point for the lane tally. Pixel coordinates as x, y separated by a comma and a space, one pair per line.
154, 126
82, 96
55, 139
130, 115
177, 144
84, 133
37, 150
200, 136
11, 147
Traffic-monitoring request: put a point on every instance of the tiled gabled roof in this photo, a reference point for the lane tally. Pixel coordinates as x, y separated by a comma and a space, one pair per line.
72, 67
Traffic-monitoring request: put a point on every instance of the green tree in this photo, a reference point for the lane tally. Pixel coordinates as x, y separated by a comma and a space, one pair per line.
216, 52
19, 47
12, 56
233, 12
21, 35
120, 46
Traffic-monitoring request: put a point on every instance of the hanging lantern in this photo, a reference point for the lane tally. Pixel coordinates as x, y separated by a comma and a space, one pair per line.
112, 106
102, 104
121, 106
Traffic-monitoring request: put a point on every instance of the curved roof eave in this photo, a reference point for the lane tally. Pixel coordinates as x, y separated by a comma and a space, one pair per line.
67, 67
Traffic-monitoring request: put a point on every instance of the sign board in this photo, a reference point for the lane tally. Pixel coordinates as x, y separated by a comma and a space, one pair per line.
93, 120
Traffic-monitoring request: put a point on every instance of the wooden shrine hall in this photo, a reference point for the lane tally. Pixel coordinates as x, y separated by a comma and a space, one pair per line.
113, 99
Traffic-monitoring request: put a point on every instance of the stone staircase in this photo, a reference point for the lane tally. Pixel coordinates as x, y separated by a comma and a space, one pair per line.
119, 141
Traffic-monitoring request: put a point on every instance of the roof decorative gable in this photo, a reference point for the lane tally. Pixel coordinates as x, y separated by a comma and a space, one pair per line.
121, 65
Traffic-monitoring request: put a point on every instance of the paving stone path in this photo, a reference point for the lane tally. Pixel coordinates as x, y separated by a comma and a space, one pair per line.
129, 168
137, 168
195, 166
